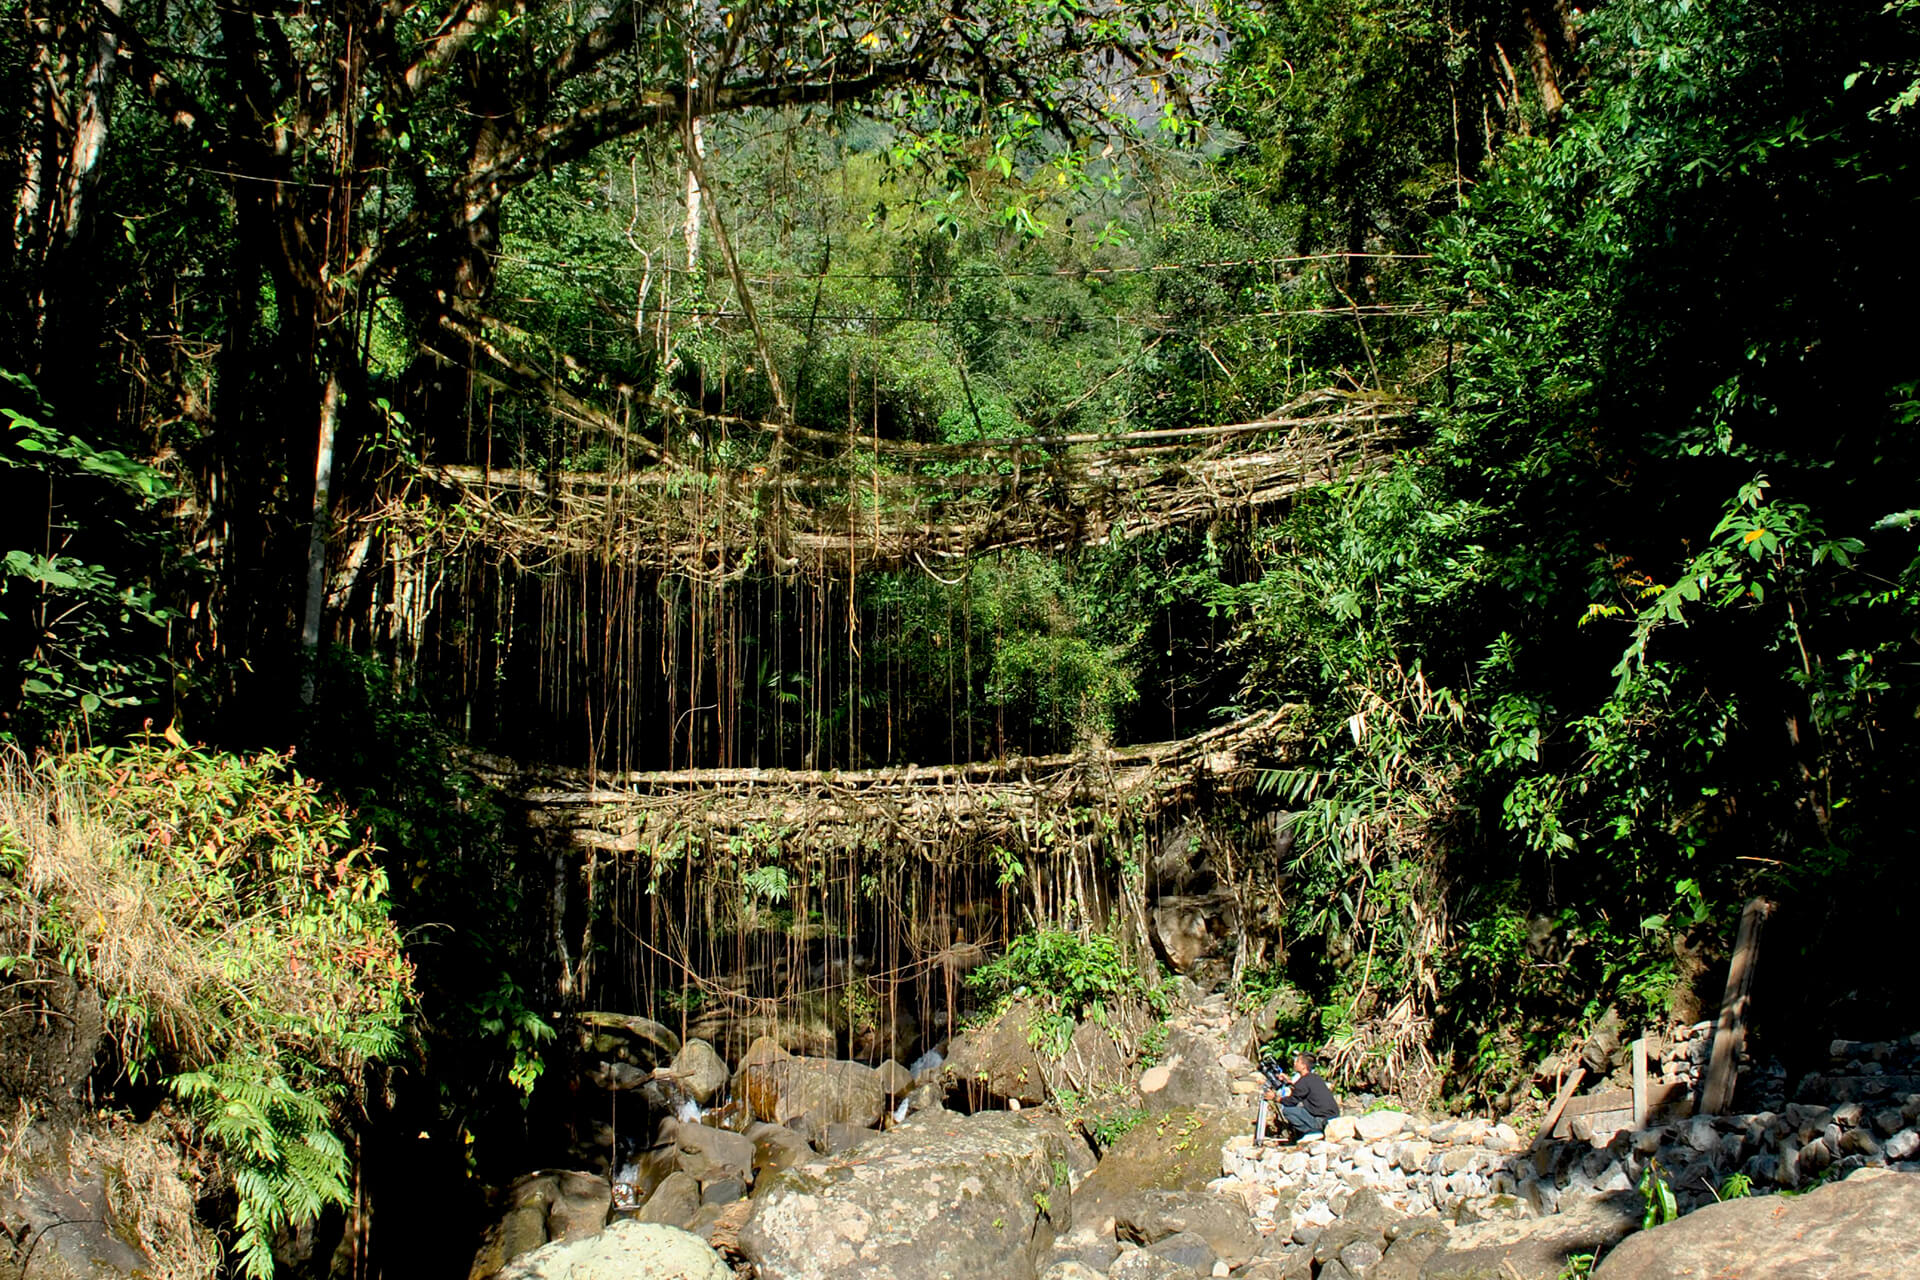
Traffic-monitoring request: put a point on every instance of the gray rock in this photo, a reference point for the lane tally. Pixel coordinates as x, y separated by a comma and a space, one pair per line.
544, 1206
707, 1153
894, 1078
701, 1071
1903, 1145
775, 1146
1142, 1265
823, 1090
1368, 1210
1177, 1152
1153, 1216
1197, 931
1361, 1257
836, 1138
624, 1251
1861, 1229
725, 1191
1070, 1269
1188, 1076
674, 1203
1533, 1248
1406, 1255
996, 1062
628, 1037
1379, 1124
1089, 1248
1185, 1249
977, 1197
1093, 1062
1297, 1265
1340, 1237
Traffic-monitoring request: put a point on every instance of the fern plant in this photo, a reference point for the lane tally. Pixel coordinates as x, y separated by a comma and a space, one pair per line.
287, 1163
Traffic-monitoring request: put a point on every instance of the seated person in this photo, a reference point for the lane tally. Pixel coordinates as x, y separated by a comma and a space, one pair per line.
1306, 1103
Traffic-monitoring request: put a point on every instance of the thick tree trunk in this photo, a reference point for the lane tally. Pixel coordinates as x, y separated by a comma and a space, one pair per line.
90, 125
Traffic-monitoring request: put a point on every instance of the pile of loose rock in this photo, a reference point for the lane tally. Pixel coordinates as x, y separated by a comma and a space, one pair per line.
1872, 1073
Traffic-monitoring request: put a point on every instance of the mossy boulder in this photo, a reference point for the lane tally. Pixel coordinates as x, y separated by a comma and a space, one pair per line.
1174, 1151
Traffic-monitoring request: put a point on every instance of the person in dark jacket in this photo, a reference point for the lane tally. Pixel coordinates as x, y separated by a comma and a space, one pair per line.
1306, 1103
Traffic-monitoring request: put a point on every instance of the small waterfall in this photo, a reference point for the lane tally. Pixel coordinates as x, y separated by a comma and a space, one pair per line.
689, 1112
626, 1187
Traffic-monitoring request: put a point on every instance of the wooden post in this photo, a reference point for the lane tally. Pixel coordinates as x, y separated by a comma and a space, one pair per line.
1731, 1033
1640, 1083
1567, 1088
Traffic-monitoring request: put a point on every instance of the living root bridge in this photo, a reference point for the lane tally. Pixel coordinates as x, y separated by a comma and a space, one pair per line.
841, 502
908, 808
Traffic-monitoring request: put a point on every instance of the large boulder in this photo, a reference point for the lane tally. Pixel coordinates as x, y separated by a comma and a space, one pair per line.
1178, 1151
624, 1251
941, 1197
674, 1203
1865, 1228
627, 1038
780, 1088
707, 1153
701, 1071
1188, 1075
1093, 1065
1197, 933
1534, 1248
996, 1061
1152, 1216
550, 1205
775, 1147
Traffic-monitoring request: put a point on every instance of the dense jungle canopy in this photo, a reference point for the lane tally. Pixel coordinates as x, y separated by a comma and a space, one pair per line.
1484, 433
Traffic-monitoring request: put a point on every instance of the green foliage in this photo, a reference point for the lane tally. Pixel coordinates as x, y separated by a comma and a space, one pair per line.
1020, 642
769, 882
1657, 1194
1735, 1186
288, 1166
80, 618
1579, 1266
1626, 621
1153, 1043
376, 741
1068, 977
1112, 1126
238, 930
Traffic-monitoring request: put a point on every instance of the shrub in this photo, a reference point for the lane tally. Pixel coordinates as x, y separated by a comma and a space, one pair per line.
237, 932
1068, 978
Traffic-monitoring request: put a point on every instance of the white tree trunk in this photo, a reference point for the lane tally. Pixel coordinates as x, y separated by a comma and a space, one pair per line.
694, 214
317, 537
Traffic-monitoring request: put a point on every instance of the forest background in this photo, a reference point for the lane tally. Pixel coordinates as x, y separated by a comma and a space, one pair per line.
362, 361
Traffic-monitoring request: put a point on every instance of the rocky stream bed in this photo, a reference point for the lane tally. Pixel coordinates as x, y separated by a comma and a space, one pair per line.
964, 1167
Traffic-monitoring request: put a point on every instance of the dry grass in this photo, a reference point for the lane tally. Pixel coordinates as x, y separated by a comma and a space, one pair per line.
149, 1196
1390, 1052
82, 894
13, 1147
